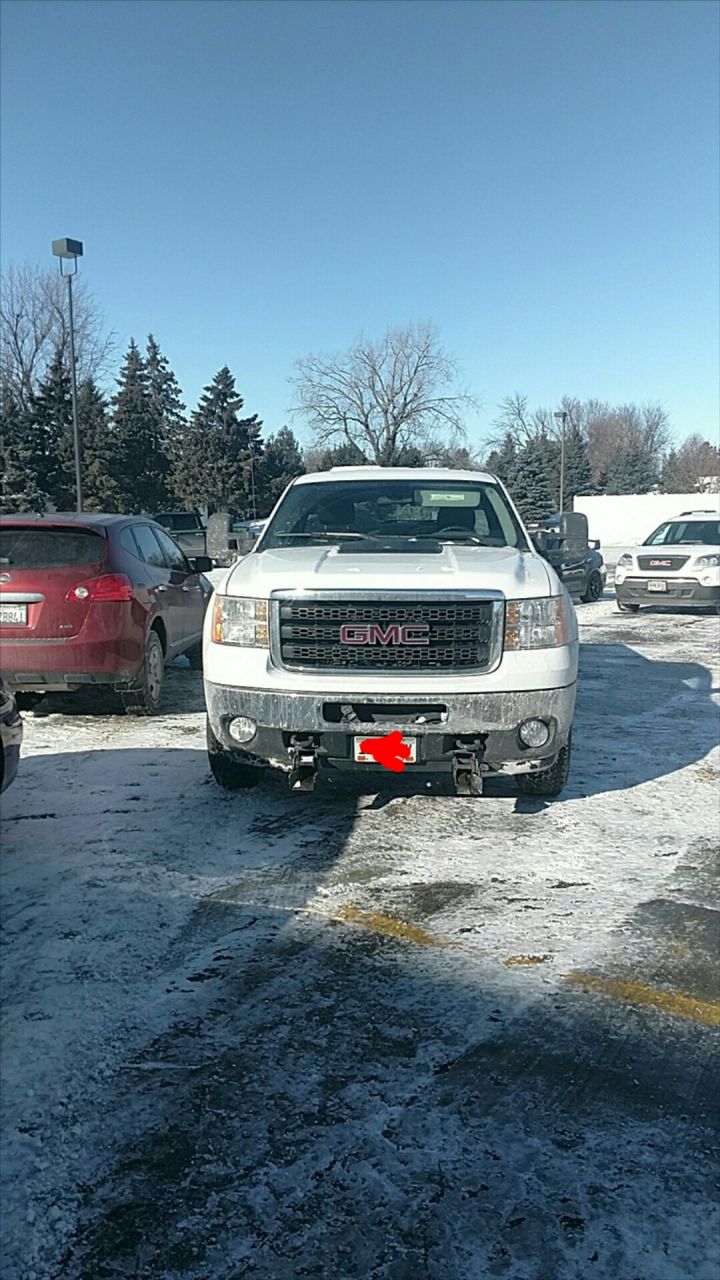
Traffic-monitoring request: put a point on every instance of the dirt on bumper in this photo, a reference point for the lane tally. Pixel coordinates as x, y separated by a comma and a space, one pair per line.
437, 724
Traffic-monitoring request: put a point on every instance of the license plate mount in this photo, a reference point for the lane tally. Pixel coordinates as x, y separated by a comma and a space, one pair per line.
657, 584
13, 615
363, 757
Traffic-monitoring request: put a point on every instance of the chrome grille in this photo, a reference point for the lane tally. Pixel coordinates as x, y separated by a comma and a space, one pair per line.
461, 633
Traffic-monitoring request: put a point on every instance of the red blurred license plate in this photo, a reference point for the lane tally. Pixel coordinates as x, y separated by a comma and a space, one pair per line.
363, 757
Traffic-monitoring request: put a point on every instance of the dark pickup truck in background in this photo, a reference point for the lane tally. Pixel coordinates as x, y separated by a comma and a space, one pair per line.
188, 530
562, 539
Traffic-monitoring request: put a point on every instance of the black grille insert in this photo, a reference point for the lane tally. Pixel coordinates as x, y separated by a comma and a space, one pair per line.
458, 634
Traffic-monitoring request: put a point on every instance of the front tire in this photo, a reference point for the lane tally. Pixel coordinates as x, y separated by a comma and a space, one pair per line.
548, 782
229, 773
594, 588
143, 697
624, 607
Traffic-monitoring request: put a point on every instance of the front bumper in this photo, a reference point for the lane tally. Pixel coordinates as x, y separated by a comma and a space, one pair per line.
634, 590
439, 723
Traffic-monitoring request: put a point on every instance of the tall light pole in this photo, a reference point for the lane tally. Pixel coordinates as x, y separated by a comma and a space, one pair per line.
71, 250
561, 416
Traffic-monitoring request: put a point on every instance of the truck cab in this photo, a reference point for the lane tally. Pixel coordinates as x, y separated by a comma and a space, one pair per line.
392, 601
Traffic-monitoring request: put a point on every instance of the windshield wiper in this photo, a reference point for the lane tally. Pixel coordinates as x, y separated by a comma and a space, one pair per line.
456, 536
329, 533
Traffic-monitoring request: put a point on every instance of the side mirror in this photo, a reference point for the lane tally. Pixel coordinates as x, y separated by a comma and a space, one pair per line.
200, 564
574, 534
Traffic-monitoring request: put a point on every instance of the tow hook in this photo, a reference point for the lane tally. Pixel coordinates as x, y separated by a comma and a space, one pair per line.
466, 768
304, 761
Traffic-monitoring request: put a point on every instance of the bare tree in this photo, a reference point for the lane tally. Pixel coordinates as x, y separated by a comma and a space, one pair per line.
695, 466
34, 325
384, 397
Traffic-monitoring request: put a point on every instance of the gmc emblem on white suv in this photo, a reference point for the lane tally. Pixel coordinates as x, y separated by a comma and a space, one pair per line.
373, 633
660, 564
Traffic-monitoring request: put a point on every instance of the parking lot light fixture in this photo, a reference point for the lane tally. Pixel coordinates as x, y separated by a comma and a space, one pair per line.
67, 250
562, 417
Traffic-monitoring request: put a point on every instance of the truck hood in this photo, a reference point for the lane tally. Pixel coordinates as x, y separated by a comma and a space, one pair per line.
518, 575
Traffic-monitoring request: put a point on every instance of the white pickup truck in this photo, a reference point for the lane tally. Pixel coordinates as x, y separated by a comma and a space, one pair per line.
392, 599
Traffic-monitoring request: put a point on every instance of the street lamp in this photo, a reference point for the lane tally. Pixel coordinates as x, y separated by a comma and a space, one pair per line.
562, 417
71, 250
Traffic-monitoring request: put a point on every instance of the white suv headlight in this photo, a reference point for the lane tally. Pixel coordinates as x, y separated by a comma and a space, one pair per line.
624, 562
240, 621
707, 562
539, 624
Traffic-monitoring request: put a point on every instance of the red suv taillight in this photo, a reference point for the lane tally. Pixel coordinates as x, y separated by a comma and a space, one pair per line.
111, 586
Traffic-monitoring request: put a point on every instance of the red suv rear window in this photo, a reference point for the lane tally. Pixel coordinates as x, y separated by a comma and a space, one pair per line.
22, 547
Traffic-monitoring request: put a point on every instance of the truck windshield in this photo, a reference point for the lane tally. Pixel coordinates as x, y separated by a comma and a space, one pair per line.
463, 511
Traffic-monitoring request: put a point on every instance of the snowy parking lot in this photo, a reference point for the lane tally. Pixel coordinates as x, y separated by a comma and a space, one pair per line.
395, 1036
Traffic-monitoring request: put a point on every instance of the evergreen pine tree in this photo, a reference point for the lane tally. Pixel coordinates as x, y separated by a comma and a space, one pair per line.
667, 478
578, 474
279, 464
51, 423
632, 470
503, 461
101, 490
142, 467
215, 468
411, 456
341, 455
19, 488
533, 485
166, 398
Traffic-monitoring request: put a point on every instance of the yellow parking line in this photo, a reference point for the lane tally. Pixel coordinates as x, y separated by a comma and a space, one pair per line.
389, 927
683, 1006
706, 1011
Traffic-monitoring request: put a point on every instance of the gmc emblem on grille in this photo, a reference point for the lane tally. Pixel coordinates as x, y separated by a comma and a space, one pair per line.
661, 564
372, 633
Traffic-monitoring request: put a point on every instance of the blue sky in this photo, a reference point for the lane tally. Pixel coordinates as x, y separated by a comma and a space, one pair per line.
254, 181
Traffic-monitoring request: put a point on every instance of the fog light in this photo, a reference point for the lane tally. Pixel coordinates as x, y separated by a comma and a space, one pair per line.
534, 733
242, 729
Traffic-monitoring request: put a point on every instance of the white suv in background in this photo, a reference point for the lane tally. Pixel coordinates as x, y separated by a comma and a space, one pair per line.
679, 564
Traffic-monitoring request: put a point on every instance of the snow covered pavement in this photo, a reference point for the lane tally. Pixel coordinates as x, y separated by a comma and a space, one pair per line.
392, 1037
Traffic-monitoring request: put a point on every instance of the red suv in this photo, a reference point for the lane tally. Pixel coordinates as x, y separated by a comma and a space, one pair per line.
97, 600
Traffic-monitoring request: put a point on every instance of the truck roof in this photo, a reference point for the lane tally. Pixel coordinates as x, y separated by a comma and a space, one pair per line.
394, 473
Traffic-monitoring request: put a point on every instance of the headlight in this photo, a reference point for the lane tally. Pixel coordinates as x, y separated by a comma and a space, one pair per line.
243, 622
707, 562
539, 624
624, 562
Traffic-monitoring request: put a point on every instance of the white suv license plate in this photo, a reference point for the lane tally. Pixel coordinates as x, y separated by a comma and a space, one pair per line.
362, 757
656, 584
13, 615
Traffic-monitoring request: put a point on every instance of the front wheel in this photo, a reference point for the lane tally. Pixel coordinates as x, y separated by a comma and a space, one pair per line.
548, 782
229, 773
594, 588
624, 607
